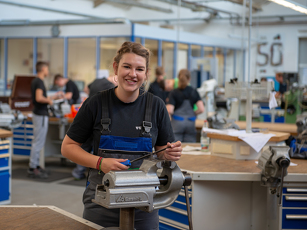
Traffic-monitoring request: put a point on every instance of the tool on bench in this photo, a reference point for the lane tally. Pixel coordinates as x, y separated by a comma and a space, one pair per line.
128, 162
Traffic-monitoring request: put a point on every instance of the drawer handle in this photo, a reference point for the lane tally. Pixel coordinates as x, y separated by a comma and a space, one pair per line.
296, 217
296, 189
297, 198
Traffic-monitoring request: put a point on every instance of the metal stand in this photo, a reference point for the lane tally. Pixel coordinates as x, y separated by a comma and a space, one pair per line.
126, 221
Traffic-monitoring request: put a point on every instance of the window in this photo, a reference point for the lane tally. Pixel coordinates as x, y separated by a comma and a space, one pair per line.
52, 51
168, 58
82, 59
182, 57
108, 49
153, 46
20, 58
195, 51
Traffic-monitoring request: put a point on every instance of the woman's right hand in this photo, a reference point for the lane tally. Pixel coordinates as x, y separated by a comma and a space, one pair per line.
108, 164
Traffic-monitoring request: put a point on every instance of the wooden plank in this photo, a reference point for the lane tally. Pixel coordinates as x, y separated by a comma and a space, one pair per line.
208, 163
279, 127
5, 133
279, 136
24, 218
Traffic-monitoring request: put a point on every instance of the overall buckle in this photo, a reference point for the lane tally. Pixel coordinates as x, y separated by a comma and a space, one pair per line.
147, 126
105, 122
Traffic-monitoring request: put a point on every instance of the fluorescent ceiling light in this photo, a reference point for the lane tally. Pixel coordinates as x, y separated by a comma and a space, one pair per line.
292, 5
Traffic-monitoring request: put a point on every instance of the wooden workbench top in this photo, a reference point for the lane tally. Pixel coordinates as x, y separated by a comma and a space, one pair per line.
277, 138
25, 218
208, 163
5, 133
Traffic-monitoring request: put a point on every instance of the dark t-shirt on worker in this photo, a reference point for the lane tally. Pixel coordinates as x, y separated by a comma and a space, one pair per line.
100, 85
39, 108
126, 120
155, 89
71, 87
177, 96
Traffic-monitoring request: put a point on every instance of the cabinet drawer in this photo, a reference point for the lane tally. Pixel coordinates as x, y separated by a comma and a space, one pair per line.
294, 190
4, 162
5, 185
175, 214
295, 200
294, 219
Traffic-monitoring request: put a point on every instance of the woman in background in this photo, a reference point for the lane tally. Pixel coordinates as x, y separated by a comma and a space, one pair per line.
180, 108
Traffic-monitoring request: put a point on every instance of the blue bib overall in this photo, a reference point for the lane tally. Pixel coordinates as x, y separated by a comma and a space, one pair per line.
120, 148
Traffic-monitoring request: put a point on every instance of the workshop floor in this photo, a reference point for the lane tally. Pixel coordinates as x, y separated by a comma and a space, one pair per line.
29, 192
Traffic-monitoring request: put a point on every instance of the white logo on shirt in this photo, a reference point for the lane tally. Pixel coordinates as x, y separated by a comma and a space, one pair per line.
138, 127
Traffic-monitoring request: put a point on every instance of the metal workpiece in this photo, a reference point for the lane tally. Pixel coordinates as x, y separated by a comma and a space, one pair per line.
155, 185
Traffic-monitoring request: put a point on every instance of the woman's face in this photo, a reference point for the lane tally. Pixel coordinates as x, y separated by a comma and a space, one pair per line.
131, 72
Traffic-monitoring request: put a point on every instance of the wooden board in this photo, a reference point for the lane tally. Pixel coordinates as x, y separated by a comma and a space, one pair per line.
279, 127
208, 163
5, 133
25, 218
277, 138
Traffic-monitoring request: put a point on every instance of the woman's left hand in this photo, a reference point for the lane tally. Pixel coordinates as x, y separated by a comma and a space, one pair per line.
173, 152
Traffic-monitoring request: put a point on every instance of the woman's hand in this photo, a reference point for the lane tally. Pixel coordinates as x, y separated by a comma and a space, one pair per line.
108, 164
173, 152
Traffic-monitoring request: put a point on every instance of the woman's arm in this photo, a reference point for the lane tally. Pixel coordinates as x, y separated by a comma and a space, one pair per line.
73, 151
200, 107
170, 109
173, 153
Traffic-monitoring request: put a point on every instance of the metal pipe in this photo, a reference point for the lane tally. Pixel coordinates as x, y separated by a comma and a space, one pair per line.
63, 22
48, 9
126, 219
138, 4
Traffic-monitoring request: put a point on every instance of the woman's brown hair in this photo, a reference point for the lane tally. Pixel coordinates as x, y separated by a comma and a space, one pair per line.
133, 47
184, 77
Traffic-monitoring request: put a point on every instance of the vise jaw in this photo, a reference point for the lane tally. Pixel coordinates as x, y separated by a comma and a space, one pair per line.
155, 185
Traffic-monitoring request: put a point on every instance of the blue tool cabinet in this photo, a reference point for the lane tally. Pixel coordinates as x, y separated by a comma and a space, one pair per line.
5, 172
294, 207
175, 216
22, 139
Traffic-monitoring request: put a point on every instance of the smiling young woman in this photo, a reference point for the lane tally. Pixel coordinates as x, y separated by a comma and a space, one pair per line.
117, 116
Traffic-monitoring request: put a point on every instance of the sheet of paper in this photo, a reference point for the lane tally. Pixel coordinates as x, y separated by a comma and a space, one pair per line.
255, 140
192, 150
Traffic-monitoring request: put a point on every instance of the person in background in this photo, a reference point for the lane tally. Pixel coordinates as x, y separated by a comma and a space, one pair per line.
72, 94
96, 86
39, 119
158, 86
101, 84
118, 115
180, 108
282, 85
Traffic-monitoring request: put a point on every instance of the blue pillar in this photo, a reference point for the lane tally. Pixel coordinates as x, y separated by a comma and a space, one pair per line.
202, 51
244, 54
5, 64
34, 55
132, 37
159, 52
65, 57
224, 68
215, 64
97, 55
189, 57
175, 59
234, 63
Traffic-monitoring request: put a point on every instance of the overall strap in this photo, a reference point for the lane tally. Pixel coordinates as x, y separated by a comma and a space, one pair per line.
105, 118
147, 125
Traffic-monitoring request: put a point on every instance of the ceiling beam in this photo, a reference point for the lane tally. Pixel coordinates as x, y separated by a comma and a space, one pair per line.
133, 3
49, 9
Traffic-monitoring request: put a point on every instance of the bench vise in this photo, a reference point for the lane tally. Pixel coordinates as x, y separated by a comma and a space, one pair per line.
155, 185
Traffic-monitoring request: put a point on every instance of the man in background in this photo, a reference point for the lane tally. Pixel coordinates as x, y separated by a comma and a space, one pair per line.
39, 119
72, 94
158, 86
